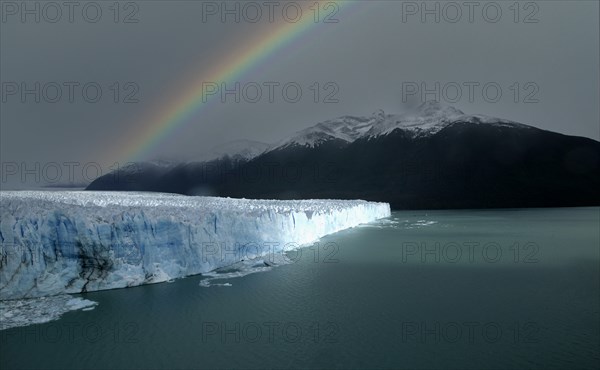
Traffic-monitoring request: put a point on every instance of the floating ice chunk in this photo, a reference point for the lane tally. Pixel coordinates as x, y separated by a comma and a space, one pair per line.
31, 311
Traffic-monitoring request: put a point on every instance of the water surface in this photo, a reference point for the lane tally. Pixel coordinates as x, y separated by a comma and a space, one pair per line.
484, 289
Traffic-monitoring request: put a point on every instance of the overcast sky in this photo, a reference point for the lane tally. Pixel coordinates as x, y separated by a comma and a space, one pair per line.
547, 51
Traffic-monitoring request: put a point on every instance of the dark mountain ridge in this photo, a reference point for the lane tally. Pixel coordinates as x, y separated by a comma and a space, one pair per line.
443, 161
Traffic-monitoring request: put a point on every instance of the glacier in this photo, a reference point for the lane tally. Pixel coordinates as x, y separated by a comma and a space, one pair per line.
58, 242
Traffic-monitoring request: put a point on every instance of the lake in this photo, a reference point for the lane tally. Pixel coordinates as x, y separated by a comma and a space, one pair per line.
480, 289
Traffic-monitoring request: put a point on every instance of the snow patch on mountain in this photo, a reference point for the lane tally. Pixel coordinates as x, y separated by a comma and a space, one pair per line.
427, 119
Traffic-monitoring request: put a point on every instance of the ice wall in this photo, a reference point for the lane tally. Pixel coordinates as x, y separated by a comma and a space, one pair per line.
55, 242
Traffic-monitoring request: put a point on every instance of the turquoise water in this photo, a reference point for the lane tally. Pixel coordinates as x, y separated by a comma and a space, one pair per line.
489, 289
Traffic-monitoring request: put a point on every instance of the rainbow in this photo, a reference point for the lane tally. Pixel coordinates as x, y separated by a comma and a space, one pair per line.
176, 113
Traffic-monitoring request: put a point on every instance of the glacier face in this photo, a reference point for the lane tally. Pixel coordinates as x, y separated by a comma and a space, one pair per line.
56, 242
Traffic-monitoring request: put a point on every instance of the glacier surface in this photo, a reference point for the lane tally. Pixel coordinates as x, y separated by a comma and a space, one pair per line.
56, 242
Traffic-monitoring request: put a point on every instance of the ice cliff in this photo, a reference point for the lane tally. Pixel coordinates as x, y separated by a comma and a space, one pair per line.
55, 242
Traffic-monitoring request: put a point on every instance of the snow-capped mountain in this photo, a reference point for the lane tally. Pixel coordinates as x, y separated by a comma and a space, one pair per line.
435, 156
428, 119
238, 149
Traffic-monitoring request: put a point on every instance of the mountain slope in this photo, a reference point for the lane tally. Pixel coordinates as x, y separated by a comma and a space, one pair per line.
437, 157
427, 119
164, 176
238, 150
